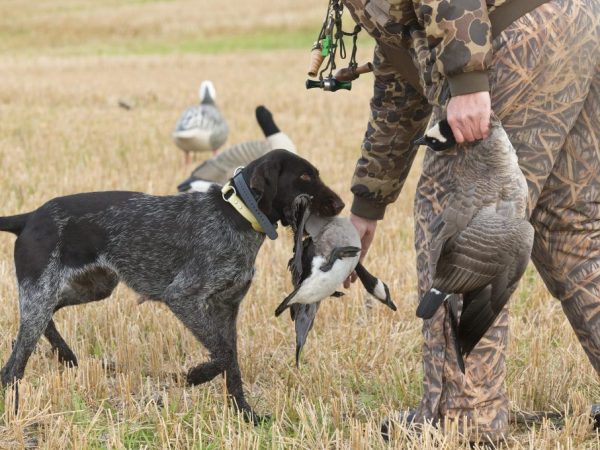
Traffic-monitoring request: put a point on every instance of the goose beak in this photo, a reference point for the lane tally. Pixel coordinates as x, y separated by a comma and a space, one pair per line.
420, 141
388, 299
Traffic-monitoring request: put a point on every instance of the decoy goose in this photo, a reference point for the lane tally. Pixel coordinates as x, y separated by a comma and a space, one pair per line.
201, 128
481, 242
220, 167
320, 264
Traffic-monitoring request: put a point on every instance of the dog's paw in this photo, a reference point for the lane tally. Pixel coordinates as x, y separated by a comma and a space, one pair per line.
256, 419
66, 356
201, 374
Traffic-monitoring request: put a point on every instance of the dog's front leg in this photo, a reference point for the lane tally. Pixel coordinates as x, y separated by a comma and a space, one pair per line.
233, 374
212, 319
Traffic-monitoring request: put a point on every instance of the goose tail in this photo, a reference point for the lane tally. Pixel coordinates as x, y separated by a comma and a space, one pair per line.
277, 139
430, 303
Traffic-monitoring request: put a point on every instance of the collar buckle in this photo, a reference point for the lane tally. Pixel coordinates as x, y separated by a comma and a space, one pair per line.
228, 191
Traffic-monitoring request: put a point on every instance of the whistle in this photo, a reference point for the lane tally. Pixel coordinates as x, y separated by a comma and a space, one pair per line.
316, 59
350, 73
329, 84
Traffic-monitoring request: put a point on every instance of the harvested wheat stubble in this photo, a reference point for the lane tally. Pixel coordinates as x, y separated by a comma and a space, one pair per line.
63, 132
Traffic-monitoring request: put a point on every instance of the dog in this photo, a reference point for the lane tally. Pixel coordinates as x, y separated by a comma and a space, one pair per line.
194, 252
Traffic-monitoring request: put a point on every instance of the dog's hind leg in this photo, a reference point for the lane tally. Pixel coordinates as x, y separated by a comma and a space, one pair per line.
62, 349
92, 285
36, 307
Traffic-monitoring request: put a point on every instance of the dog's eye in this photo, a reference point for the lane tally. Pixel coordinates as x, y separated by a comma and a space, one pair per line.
305, 177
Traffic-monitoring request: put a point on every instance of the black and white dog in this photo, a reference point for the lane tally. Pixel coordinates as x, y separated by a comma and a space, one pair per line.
193, 252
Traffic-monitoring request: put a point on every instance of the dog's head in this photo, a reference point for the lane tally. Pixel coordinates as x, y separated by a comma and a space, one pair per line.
278, 177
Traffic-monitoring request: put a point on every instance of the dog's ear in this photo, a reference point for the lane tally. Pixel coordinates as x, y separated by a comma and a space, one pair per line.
264, 182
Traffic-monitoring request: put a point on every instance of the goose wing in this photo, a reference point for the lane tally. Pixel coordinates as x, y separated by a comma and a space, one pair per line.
482, 306
188, 119
221, 167
304, 318
205, 117
471, 258
460, 209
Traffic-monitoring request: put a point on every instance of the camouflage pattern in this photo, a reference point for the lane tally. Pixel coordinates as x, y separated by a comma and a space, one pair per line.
446, 43
545, 85
448, 40
395, 105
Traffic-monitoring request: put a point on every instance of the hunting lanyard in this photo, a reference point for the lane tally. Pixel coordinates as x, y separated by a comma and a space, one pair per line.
331, 38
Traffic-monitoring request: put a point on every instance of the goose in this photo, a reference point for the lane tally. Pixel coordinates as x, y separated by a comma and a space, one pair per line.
201, 128
481, 242
220, 167
320, 264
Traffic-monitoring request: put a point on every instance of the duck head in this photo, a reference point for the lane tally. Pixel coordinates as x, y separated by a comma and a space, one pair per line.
439, 137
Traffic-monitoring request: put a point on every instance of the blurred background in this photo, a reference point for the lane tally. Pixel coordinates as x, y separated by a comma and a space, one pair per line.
90, 92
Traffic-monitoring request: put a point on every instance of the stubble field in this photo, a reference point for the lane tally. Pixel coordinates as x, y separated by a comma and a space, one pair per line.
65, 65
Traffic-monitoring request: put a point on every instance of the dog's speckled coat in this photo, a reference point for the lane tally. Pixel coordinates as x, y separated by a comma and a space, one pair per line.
191, 251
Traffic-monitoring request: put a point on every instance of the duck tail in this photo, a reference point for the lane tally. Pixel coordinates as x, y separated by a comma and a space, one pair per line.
14, 224
430, 303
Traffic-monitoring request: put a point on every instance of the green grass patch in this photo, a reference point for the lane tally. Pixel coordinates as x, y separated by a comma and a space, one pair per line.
139, 437
263, 40
258, 40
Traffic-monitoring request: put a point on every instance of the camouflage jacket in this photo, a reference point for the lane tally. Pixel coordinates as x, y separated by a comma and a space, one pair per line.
450, 43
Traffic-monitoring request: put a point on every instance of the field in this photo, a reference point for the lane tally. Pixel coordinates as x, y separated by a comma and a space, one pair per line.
65, 65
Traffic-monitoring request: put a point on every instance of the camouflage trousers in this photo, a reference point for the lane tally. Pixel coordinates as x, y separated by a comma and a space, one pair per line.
545, 87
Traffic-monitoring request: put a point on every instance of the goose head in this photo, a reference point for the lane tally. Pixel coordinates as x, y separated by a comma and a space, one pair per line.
207, 92
439, 137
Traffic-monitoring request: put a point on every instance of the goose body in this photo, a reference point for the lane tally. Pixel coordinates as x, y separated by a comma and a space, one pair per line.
201, 128
481, 242
221, 167
327, 269
321, 263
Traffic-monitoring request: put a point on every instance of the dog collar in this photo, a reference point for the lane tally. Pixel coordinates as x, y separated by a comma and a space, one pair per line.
246, 205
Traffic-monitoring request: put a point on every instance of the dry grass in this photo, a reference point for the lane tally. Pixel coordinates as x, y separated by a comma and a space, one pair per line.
62, 132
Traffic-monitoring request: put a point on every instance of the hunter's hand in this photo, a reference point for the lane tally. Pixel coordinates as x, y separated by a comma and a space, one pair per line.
469, 116
366, 231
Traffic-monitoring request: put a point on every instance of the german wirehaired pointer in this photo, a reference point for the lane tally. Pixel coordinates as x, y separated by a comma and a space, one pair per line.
193, 252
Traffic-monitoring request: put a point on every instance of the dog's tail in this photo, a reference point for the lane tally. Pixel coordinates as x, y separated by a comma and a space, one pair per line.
14, 224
